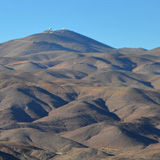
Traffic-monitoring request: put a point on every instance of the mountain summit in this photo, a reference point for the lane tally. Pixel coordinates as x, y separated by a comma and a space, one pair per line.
52, 41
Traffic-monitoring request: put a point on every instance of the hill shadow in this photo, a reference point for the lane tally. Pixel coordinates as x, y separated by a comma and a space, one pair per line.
142, 139
56, 100
143, 82
42, 46
102, 109
7, 156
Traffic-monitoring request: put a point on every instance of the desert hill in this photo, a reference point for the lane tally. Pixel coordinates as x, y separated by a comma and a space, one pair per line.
65, 96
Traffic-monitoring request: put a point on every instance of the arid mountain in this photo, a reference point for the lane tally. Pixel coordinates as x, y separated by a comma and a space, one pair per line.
64, 96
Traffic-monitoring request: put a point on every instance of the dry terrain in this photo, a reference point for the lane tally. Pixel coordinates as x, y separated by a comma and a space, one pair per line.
64, 96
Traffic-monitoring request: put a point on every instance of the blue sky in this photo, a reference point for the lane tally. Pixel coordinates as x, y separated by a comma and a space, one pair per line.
118, 23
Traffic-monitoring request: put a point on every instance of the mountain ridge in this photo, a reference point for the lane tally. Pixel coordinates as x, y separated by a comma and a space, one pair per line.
57, 40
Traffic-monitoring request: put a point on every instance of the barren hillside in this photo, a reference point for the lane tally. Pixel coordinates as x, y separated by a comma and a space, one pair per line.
64, 96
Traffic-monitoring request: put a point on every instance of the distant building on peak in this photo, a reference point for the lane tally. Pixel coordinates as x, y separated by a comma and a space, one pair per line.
50, 29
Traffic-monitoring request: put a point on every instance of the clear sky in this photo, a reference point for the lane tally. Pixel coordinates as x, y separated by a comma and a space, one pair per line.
118, 23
